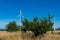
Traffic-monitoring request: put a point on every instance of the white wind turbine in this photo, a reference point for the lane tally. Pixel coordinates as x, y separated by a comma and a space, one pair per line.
20, 15
54, 23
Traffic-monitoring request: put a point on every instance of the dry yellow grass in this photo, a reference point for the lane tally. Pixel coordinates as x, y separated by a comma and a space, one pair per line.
10, 35
51, 37
18, 36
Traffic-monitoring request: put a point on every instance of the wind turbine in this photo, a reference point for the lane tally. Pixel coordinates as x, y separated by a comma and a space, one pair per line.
20, 15
54, 23
54, 19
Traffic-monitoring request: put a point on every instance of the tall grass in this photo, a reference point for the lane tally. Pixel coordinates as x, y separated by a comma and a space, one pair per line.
26, 36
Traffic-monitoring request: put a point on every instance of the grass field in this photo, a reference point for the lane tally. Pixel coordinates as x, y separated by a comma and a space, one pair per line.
18, 36
10, 36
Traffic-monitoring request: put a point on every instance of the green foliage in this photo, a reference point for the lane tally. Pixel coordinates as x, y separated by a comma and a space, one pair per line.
38, 26
12, 27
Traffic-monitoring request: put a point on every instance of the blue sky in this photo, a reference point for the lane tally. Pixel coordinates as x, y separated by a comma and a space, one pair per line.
9, 10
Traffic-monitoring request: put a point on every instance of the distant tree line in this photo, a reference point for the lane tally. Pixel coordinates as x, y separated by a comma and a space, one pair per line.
2, 29
58, 29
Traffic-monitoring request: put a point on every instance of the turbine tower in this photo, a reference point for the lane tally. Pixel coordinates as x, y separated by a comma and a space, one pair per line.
20, 15
54, 22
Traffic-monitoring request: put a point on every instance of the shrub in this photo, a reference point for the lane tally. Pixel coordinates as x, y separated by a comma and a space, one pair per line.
12, 27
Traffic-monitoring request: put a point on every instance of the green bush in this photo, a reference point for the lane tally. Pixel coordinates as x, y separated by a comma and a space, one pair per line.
38, 26
12, 27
